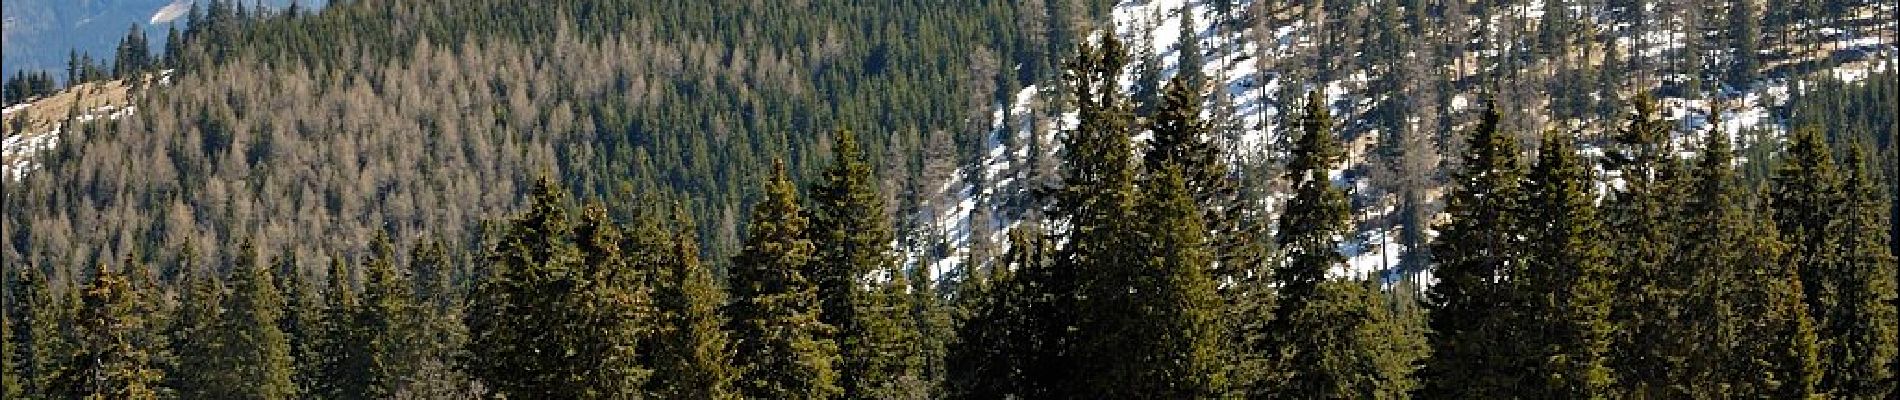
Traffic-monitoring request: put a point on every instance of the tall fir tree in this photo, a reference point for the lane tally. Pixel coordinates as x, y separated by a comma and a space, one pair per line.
1864, 329
389, 320
1329, 338
997, 338
691, 354
1478, 257
560, 313
1567, 277
341, 369
113, 362
39, 345
194, 333
1643, 234
1170, 341
1746, 332
785, 351
860, 288
256, 363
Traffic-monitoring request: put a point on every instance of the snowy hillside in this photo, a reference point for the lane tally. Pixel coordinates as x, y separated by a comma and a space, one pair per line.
40, 122
1232, 54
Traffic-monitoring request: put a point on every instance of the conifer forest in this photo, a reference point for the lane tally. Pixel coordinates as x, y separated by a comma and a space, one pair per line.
952, 199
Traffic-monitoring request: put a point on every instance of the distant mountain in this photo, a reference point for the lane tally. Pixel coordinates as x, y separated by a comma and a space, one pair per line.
38, 34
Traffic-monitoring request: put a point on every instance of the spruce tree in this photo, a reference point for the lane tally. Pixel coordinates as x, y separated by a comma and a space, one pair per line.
997, 339
1864, 327
1474, 309
389, 320
1643, 233
605, 313
1746, 332
1568, 278
1095, 201
257, 363
1170, 343
560, 313
1329, 338
40, 347
785, 351
194, 333
860, 289
12, 380
112, 363
341, 369
691, 359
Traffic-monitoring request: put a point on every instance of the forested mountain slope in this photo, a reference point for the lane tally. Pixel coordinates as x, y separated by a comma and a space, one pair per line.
306, 132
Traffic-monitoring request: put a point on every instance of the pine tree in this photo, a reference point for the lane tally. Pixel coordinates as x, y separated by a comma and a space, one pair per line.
785, 350
257, 361
1189, 48
303, 314
1643, 229
997, 339
344, 362
194, 333
388, 317
113, 363
1863, 335
1330, 338
1473, 307
1170, 342
560, 313
691, 345
12, 380
1746, 332
1568, 278
851, 235
40, 347
607, 312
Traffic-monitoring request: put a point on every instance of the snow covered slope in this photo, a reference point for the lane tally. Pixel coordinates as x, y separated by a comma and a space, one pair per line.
986, 195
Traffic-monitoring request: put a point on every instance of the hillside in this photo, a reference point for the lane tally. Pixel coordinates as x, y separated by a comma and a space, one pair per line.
985, 199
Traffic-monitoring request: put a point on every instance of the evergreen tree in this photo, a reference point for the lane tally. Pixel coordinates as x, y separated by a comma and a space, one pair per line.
785, 351
40, 347
12, 380
256, 364
1170, 342
997, 339
851, 235
1474, 309
559, 314
1192, 60
1642, 217
389, 320
691, 350
113, 363
303, 315
1330, 338
1746, 332
1567, 277
194, 333
342, 368
1864, 324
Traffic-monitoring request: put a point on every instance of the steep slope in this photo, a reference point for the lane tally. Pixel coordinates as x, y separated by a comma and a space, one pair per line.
1402, 94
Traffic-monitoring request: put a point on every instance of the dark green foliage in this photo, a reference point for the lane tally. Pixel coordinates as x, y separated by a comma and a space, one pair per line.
1745, 332
252, 359
1474, 305
860, 287
557, 293
1329, 338
691, 358
113, 362
1643, 227
1568, 273
783, 350
1862, 329
999, 337
1169, 338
